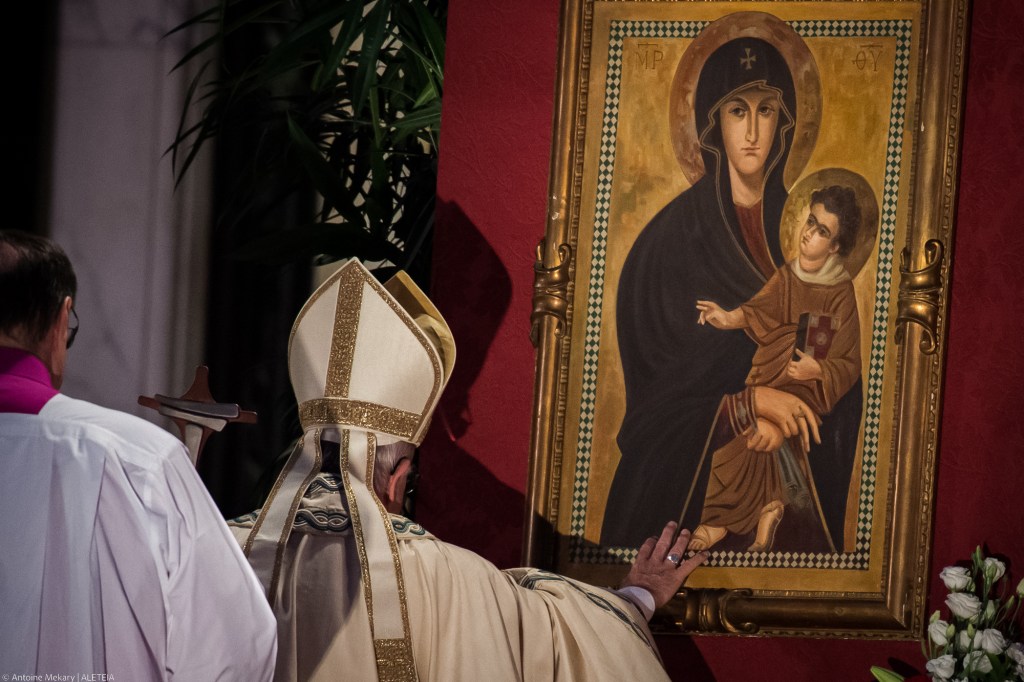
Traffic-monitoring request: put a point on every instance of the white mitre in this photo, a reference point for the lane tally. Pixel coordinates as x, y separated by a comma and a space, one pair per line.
368, 363
369, 356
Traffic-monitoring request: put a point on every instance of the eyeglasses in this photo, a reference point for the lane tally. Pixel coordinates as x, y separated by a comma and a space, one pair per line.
73, 331
412, 480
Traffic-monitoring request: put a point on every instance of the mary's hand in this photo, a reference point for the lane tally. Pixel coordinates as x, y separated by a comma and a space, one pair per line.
789, 413
765, 437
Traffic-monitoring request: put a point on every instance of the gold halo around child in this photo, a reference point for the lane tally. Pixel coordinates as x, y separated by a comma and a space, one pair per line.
798, 205
801, 63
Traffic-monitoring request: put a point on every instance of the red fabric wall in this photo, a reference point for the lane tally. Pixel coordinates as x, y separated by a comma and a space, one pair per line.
495, 148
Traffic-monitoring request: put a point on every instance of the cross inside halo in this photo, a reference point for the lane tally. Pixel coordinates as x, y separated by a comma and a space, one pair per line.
748, 61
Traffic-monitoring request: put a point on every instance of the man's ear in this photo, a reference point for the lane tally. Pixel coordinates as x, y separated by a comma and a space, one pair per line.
53, 350
396, 483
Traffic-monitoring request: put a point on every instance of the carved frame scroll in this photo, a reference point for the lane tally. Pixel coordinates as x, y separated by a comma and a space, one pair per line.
618, 158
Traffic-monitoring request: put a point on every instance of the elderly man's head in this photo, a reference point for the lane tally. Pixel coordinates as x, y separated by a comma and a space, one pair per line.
391, 469
37, 290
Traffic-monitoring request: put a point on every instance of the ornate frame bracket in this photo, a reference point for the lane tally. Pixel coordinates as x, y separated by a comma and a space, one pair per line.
550, 291
920, 290
707, 611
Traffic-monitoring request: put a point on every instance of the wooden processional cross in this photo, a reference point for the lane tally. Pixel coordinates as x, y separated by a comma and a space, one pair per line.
196, 413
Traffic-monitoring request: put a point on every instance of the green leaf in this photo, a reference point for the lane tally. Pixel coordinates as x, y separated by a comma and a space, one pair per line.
351, 26
378, 126
433, 34
299, 42
181, 134
203, 17
373, 39
325, 179
428, 116
206, 130
226, 30
428, 93
883, 675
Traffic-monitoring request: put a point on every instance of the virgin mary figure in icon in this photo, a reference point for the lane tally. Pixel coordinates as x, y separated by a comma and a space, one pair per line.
718, 240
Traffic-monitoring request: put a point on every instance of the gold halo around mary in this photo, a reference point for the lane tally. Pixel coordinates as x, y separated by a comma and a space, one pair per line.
802, 66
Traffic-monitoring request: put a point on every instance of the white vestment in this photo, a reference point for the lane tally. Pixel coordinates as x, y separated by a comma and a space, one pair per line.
114, 559
468, 620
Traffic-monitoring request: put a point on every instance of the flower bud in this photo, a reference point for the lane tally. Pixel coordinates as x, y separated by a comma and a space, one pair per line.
937, 632
994, 569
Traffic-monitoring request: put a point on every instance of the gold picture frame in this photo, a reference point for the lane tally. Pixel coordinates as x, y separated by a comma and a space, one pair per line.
865, 97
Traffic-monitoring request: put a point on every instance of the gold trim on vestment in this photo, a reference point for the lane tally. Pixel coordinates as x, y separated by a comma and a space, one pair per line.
266, 554
278, 482
290, 519
357, 527
361, 414
394, 660
395, 556
393, 655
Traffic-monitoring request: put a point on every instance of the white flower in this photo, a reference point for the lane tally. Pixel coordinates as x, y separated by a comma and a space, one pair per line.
994, 569
977, 662
964, 642
937, 632
963, 605
1016, 652
990, 640
941, 668
956, 578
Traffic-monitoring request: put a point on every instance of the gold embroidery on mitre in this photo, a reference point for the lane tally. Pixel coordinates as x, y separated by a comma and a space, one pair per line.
360, 414
432, 353
394, 660
346, 326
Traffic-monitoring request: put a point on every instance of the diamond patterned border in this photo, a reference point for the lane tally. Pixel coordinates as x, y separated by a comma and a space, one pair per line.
582, 551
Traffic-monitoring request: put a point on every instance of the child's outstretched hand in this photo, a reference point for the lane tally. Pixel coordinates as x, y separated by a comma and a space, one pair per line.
713, 314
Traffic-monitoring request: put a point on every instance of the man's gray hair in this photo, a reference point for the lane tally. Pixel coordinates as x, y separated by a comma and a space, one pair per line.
386, 459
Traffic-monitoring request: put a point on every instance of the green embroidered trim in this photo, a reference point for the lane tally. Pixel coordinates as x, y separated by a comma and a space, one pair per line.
408, 529
530, 581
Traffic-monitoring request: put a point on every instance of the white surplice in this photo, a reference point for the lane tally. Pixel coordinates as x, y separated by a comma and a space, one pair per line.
114, 559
